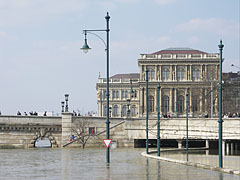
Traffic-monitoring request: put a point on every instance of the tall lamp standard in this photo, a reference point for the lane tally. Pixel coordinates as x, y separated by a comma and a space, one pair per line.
147, 111
158, 120
66, 99
62, 103
85, 49
187, 102
235, 66
129, 100
220, 121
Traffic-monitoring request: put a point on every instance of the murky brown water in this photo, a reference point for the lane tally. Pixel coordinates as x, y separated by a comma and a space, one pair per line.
90, 164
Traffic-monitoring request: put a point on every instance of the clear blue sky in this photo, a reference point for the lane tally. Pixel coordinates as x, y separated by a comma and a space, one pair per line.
40, 59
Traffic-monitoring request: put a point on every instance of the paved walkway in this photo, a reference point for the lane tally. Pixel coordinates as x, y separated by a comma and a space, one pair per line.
198, 165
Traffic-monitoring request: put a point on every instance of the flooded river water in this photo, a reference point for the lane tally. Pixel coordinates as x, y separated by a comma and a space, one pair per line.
90, 164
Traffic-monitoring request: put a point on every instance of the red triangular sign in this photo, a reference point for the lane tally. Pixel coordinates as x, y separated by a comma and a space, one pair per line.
107, 142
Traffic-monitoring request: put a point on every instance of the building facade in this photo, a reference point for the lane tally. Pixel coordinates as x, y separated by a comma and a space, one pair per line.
179, 71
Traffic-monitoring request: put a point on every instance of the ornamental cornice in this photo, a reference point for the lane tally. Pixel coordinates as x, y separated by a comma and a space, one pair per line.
178, 61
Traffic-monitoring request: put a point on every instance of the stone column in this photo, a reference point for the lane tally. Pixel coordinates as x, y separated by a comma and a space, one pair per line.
232, 148
175, 72
190, 100
120, 110
206, 71
175, 99
170, 101
236, 147
200, 99
205, 104
66, 127
156, 72
223, 148
227, 148
160, 72
179, 144
201, 70
190, 71
142, 99
171, 72
207, 143
141, 72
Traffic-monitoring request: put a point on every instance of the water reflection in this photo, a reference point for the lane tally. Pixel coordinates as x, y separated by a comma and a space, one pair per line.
158, 171
220, 177
108, 176
91, 164
147, 169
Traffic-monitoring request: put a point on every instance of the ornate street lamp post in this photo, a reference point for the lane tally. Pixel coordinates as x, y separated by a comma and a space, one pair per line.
158, 121
66, 99
147, 111
129, 100
220, 121
62, 103
85, 49
187, 102
235, 66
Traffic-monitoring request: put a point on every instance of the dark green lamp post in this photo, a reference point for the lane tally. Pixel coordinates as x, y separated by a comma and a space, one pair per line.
130, 98
85, 49
66, 99
187, 102
62, 103
146, 110
220, 121
158, 121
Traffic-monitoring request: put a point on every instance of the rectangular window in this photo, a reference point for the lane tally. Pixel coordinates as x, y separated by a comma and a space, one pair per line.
91, 130
105, 94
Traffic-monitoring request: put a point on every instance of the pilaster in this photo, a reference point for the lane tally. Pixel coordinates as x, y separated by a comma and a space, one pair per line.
66, 127
170, 101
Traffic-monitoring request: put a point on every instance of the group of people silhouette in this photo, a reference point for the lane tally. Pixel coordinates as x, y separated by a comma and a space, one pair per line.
31, 113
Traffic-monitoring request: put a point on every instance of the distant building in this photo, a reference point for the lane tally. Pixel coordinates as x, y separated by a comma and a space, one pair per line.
179, 71
231, 93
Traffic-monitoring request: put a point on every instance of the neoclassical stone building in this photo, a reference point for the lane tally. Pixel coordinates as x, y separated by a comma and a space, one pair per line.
179, 71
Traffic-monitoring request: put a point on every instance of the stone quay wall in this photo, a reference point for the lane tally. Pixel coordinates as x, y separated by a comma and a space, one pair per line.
22, 131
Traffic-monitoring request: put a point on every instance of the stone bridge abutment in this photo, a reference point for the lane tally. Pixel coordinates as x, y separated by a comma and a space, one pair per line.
23, 131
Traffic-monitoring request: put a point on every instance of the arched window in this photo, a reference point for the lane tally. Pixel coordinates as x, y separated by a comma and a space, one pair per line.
180, 104
165, 74
115, 110
195, 74
151, 103
134, 110
165, 105
180, 73
124, 110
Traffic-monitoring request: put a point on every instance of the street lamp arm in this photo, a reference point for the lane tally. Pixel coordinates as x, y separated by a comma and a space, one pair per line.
235, 66
89, 31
